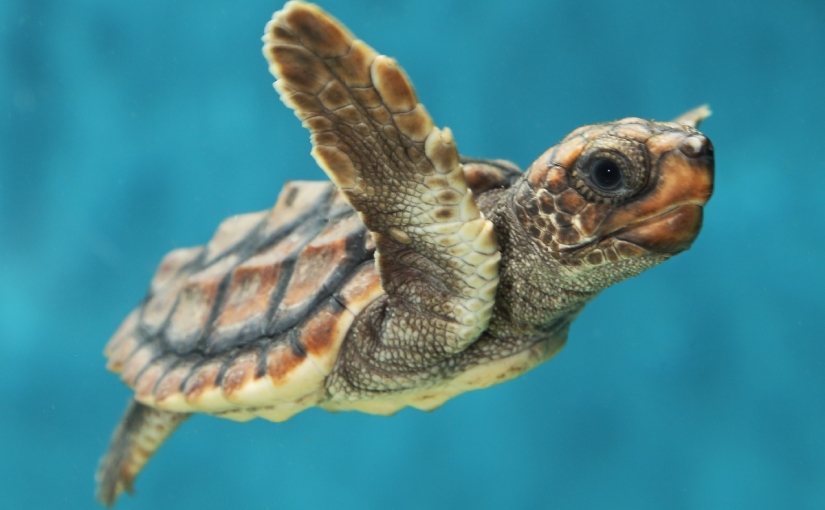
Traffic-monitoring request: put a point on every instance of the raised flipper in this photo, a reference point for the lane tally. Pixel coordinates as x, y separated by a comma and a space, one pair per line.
485, 174
436, 254
139, 434
694, 117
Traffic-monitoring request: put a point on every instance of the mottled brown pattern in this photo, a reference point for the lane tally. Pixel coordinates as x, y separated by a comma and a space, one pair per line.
296, 200
281, 361
407, 166
240, 372
156, 310
171, 383
197, 308
201, 379
317, 334
230, 232
558, 189
679, 182
570, 202
149, 377
319, 261
138, 361
196, 301
171, 265
556, 180
249, 292
322, 34
393, 85
443, 279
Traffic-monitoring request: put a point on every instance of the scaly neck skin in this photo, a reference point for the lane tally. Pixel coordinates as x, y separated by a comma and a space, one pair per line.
535, 293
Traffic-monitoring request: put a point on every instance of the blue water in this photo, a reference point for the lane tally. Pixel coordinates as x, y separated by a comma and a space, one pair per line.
131, 128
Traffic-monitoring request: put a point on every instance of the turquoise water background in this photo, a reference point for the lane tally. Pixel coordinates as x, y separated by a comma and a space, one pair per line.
131, 128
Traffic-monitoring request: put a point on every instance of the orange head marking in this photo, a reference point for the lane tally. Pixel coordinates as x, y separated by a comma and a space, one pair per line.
631, 189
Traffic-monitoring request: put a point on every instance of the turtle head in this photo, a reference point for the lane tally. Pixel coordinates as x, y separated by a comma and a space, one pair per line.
611, 200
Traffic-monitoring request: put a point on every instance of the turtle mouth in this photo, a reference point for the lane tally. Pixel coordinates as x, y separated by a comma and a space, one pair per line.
670, 232
668, 219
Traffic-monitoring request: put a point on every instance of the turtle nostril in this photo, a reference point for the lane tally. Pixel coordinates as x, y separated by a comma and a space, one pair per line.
695, 146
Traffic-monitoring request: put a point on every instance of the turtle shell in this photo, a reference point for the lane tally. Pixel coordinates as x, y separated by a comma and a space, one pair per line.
256, 317
251, 324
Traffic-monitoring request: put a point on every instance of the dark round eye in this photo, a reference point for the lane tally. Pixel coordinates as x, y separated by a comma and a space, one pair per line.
606, 174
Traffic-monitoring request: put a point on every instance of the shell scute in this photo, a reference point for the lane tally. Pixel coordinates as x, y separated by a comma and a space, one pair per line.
254, 286
281, 359
137, 362
124, 348
361, 289
321, 335
290, 373
124, 333
248, 298
171, 266
169, 279
230, 232
158, 307
241, 376
168, 393
249, 325
196, 301
296, 200
202, 389
322, 264
149, 377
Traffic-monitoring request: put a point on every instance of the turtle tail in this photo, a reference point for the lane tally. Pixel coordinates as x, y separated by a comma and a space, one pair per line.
139, 434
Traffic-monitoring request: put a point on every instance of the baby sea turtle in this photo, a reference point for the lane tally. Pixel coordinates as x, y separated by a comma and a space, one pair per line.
412, 277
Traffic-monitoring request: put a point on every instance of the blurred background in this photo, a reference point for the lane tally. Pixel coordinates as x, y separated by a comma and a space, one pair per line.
131, 128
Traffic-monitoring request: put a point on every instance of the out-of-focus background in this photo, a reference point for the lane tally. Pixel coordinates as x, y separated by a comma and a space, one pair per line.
131, 128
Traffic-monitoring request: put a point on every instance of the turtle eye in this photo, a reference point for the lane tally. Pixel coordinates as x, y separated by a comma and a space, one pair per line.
606, 174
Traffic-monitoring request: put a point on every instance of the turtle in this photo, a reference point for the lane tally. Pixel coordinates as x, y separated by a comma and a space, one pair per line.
414, 275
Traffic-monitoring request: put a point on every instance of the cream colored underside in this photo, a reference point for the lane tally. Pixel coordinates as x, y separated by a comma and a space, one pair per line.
478, 377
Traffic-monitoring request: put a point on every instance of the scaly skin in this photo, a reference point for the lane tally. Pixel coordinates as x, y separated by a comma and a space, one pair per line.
474, 290
561, 244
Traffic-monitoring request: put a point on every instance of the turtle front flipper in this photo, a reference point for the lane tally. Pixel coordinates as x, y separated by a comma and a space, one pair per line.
482, 175
694, 117
139, 434
437, 255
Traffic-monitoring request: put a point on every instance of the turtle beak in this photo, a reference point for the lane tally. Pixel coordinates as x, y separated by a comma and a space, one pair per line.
667, 219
